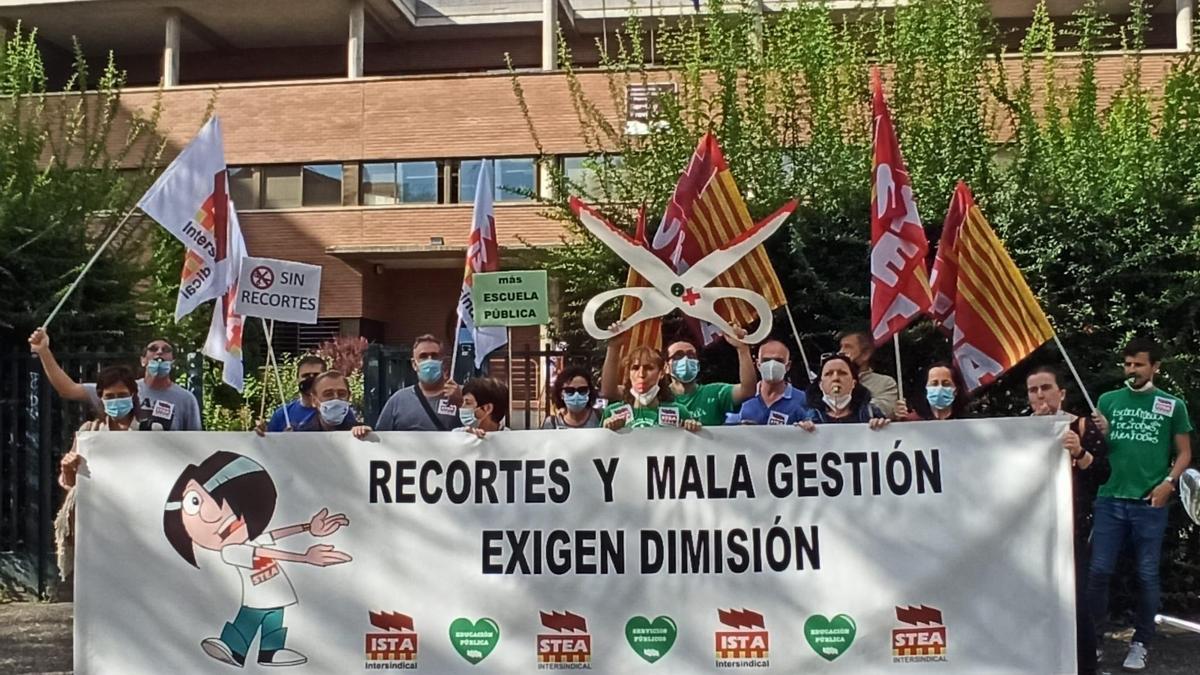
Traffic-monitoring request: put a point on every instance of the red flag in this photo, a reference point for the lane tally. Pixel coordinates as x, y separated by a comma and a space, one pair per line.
981, 298
899, 280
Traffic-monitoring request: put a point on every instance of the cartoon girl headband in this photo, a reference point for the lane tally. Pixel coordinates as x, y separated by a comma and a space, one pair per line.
238, 467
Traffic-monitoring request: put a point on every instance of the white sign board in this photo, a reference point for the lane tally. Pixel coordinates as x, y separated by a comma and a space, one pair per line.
731, 550
278, 289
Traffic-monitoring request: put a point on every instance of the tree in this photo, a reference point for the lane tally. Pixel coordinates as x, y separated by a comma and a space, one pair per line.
1096, 202
73, 166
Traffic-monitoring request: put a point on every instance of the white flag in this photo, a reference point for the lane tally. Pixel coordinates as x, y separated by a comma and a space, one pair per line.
224, 342
191, 200
483, 255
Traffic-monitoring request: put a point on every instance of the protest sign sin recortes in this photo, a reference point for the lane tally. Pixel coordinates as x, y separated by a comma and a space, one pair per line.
279, 289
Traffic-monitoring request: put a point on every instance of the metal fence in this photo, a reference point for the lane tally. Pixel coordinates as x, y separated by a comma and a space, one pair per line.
37, 426
527, 369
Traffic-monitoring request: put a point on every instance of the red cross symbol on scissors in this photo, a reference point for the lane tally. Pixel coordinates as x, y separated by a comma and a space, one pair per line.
691, 297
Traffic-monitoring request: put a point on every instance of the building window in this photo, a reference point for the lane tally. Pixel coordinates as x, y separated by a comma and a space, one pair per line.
378, 184
583, 174
245, 186
281, 187
400, 183
322, 185
515, 178
419, 182
286, 186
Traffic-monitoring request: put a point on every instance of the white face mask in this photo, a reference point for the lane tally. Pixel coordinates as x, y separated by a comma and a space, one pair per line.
836, 402
771, 371
646, 397
333, 412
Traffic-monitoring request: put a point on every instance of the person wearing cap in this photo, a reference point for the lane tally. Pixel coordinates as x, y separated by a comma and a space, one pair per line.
162, 401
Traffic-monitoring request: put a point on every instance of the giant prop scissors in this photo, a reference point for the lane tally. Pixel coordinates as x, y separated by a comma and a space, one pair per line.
689, 291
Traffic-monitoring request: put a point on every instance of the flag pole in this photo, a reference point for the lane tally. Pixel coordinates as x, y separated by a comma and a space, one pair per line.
899, 376
274, 365
454, 354
1078, 380
812, 376
86, 268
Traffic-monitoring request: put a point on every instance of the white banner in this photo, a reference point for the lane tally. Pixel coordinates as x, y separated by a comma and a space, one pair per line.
279, 289
928, 547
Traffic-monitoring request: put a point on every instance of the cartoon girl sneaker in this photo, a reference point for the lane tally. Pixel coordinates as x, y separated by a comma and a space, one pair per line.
216, 648
281, 657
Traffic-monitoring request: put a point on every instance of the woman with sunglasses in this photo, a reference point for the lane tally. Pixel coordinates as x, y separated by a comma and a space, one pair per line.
574, 397
837, 397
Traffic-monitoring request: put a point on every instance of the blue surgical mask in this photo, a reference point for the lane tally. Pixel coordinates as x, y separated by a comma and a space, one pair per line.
685, 369
159, 367
117, 408
429, 371
939, 397
466, 416
333, 412
575, 402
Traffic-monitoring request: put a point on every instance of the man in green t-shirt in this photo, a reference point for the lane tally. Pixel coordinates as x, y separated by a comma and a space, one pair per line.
1143, 424
710, 402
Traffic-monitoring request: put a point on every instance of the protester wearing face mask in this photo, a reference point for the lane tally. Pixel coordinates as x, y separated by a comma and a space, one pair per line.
117, 389
1087, 449
431, 404
574, 397
647, 402
838, 398
712, 401
945, 397
331, 394
484, 406
777, 401
162, 402
302, 408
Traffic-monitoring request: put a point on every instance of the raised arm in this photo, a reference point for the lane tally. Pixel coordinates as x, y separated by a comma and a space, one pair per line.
747, 384
39, 343
610, 372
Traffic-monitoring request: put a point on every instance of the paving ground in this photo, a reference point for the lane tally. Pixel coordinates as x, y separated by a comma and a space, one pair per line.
36, 638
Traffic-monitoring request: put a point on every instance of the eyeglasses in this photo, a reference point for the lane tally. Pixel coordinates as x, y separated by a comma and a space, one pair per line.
576, 390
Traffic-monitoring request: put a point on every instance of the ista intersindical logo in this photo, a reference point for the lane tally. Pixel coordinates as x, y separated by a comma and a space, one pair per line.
748, 645
395, 648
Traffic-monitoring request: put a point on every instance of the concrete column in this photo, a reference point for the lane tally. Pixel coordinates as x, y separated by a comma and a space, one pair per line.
549, 34
1183, 24
354, 46
170, 70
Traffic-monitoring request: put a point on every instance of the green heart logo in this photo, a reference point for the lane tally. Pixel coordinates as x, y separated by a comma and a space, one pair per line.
651, 640
830, 638
474, 641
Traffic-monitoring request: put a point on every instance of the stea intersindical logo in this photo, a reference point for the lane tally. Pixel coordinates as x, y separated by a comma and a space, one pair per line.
568, 646
922, 639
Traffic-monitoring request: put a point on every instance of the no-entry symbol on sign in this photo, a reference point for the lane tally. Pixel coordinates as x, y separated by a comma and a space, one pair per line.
262, 277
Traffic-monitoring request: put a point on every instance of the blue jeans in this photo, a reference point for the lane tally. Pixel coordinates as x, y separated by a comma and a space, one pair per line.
1118, 521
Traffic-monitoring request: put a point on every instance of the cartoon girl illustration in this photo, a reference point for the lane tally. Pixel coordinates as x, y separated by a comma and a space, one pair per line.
224, 505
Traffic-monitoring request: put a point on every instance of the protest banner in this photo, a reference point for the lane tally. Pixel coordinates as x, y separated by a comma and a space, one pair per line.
763, 549
514, 298
279, 289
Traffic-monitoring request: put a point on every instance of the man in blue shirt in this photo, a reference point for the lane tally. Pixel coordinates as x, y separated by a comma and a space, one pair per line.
299, 410
776, 402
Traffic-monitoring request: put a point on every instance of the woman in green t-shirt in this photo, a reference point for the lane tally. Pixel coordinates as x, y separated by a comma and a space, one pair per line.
647, 401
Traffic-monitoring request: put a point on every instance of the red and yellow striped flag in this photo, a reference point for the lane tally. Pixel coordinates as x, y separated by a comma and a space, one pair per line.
980, 297
706, 211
